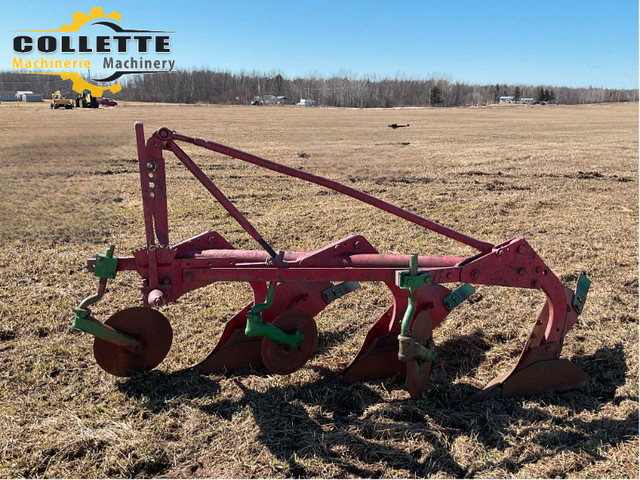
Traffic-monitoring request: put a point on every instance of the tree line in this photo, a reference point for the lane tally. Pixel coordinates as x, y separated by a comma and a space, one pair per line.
224, 87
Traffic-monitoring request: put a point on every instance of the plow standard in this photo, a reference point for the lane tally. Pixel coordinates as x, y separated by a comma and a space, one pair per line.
277, 330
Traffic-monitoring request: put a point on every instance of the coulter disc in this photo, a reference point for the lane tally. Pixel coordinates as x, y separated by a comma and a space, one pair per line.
147, 325
418, 370
282, 359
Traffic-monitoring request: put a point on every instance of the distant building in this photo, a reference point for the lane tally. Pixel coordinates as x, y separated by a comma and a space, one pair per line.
269, 100
21, 95
8, 97
509, 99
32, 97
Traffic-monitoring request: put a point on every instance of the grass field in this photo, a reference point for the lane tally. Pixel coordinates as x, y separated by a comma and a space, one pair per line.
565, 178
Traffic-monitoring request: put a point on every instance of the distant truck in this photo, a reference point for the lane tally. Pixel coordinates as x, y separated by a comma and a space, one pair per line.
306, 102
108, 102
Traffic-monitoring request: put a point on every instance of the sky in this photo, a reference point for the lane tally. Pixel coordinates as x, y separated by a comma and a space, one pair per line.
558, 43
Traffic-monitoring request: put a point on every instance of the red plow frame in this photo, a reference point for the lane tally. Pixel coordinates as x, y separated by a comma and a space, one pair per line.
277, 329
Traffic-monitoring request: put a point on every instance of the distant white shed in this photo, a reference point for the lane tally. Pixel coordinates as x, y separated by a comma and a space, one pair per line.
270, 100
21, 95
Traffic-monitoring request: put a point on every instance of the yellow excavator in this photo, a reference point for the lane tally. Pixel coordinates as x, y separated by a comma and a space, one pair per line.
58, 101
86, 100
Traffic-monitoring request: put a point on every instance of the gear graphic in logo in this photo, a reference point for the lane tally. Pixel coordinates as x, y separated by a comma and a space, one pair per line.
79, 20
79, 84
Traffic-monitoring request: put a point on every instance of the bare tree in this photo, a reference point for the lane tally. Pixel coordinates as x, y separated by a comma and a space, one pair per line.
224, 87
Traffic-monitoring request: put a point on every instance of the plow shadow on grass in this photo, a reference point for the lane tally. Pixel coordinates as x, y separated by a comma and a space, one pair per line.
353, 428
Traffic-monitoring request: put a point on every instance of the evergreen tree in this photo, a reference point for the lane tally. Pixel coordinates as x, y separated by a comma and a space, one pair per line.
541, 97
435, 95
517, 94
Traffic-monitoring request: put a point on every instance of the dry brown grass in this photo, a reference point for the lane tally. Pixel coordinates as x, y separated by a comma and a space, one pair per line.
564, 178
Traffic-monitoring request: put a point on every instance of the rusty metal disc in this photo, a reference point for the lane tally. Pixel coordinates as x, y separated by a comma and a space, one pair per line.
282, 359
147, 325
418, 370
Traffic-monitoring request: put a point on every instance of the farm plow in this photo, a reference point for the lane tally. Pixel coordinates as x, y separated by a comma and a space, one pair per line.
277, 329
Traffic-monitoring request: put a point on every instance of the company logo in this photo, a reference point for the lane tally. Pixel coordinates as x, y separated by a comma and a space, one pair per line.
103, 45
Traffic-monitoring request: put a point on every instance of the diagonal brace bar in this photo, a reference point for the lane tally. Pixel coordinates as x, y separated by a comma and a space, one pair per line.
219, 196
325, 182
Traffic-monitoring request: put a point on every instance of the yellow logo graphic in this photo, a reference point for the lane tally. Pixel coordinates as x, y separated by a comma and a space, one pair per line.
48, 44
79, 83
80, 19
